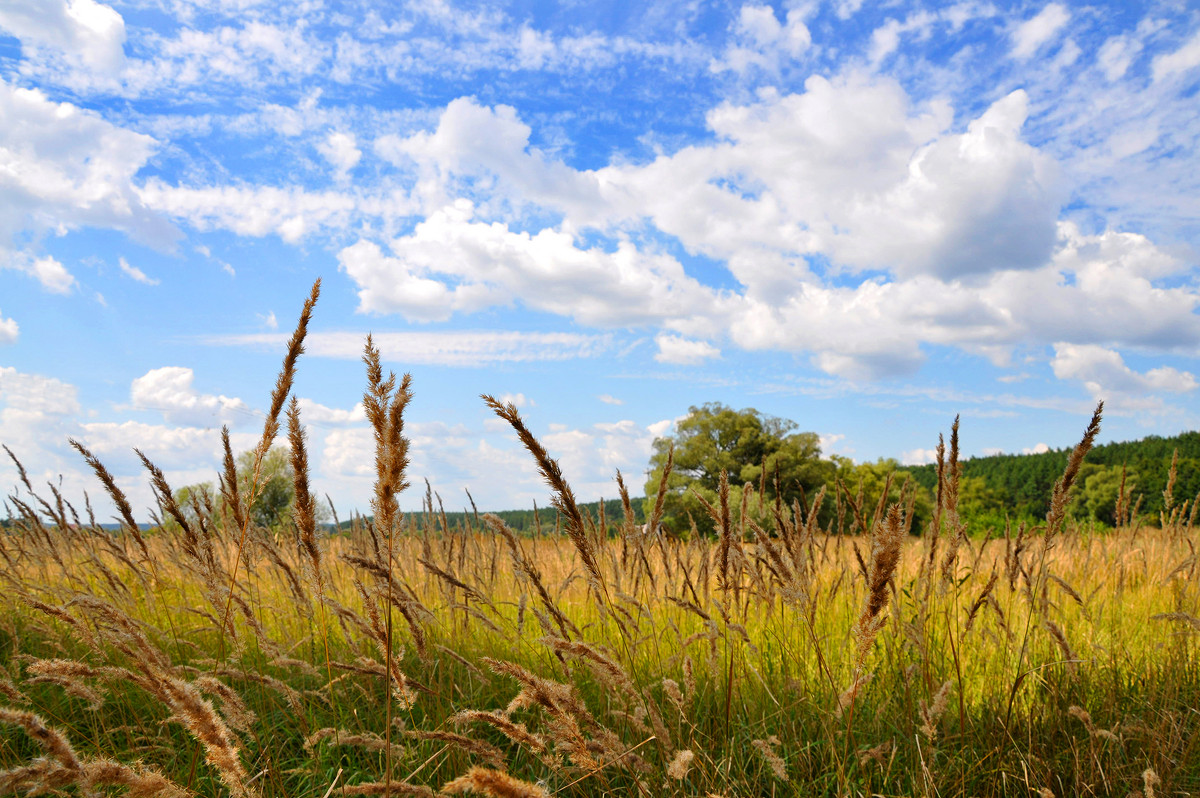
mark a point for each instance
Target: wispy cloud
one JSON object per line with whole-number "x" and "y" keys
{"x": 451, "y": 348}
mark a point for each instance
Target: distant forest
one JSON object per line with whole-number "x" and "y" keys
{"x": 1021, "y": 484}
{"x": 1016, "y": 486}
{"x": 531, "y": 521}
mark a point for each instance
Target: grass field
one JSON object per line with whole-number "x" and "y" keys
{"x": 409, "y": 658}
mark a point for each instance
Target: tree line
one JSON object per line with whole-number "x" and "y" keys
{"x": 768, "y": 464}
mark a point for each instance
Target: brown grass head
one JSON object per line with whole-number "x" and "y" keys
{"x": 564, "y": 498}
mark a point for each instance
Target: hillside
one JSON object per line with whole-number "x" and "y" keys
{"x": 1024, "y": 482}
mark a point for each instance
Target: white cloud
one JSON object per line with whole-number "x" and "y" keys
{"x": 8, "y": 331}
{"x": 1185, "y": 58}
{"x": 963, "y": 223}
{"x": 515, "y": 399}
{"x": 1116, "y": 55}
{"x": 175, "y": 448}
{"x": 918, "y": 457}
{"x": 62, "y": 167}
{"x": 169, "y": 390}
{"x": 137, "y": 274}
{"x": 590, "y": 457}
{"x": 312, "y": 412}
{"x": 610, "y": 400}
{"x": 268, "y": 320}
{"x": 1039, "y": 448}
{"x": 1031, "y": 35}
{"x": 289, "y": 212}
{"x": 82, "y": 31}
{"x": 342, "y": 152}
{"x": 254, "y": 53}
{"x": 47, "y": 270}
{"x": 34, "y": 393}
{"x": 829, "y": 440}
{"x": 684, "y": 351}
{"x": 759, "y": 40}
{"x": 451, "y": 348}
{"x": 1104, "y": 373}
{"x": 452, "y": 263}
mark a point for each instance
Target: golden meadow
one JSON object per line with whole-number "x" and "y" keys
{"x": 408, "y": 657}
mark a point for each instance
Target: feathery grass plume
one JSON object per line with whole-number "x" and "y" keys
{"x": 1181, "y": 617}
{"x": 982, "y": 599}
{"x": 11, "y": 692}
{"x": 877, "y": 754}
{"x": 517, "y": 732}
{"x": 24, "y": 477}
{"x": 114, "y": 492}
{"x": 526, "y": 569}
{"x": 678, "y": 769}
{"x": 886, "y": 539}
{"x": 454, "y": 581}
{"x": 564, "y": 498}
{"x": 486, "y": 751}
{"x": 1060, "y": 639}
{"x": 49, "y": 739}
{"x": 494, "y": 783}
{"x": 626, "y": 505}
{"x": 955, "y": 527}
{"x": 1084, "y": 717}
{"x": 198, "y": 716}
{"x": 387, "y": 788}
{"x": 932, "y": 713}
{"x": 1062, "y": 488}
{"x": 569, "y": 717}
{"x": 233, "y": 707}
{"x": 366, "y": 740}
{"x": 774, "y": 761}
{"x": 283, "y": 383}
{"x": 229, "y": 482}
{"x": 283, "y": 386}
{"x": 65, "y": 768}
{"x": 305, "y": 504}
{"x": 1150, "y": 780}
{"x": 935, "y": 524}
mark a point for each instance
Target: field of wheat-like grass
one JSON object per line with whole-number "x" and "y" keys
{"x": 404, "y": 656}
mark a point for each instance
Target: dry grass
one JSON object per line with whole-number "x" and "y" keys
{"x": 404, "y": 657}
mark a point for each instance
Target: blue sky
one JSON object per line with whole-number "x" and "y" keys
{"x": 863, "y": 217}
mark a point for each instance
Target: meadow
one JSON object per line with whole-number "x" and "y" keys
{"x": 408, "y": 656}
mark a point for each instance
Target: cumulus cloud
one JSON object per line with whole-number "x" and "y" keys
{"x": 918, "y": 457}
{"x": 64, "y": 167}
{"x": 453, "y": 263}
{"x": 760, "y": 40}
{"x": 683, "y": 351}
{"x": 1031, "y": 35}
{"x": 342, "y": 152}
{"x": 169, "y": 390}
{"x": 1104, "y": 373}
{"x": 312, "y": 412}
{"x": 47, "y": 270}
{"x": 134, "y": 272}
{"x": 34, "y": 393}
{"x": 964, "y": 225}
{"x": 516, "y": 399}
{"x": 89, "y": 33}
{"x": 8, "y": 331}
{"x": 610, "y": 400}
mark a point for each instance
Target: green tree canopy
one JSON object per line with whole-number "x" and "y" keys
{"x": 276, "y": 498}
{"x": 750, "y": 446}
